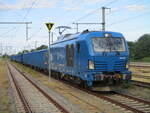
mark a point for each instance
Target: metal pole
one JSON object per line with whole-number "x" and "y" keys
{"x": 49, "y": 58}
{"x": 103, "y": 18}
{"x": 52, "y": 37}
{"x": 19, "y": 23}
{"x": 77, "y": 28}
{"x": 26, "y": 31}
{"x": 35, "y": 44}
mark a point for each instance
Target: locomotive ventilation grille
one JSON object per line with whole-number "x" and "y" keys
{"x": 120, "y": 65}
{"x": 106, "y": 66}
{"x": 100, "y": 66}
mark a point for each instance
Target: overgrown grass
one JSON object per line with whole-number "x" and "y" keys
{"x": 27, "y": 69}
{"x": 145, "y": 59}
{"x": 4, "y": 85}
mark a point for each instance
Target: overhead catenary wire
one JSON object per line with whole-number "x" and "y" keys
{"x": 90, "y": 13}
{"x": 93, "y": 11}
{"x": 6, "y": 6}
{"x": 130, "y": 18}
{"x": 14, "y": 28}
{"x": 109, "y": 3}
{"x": 35, "y": 33}
{"x": 124, "y": 7}
{"x": 28, "y": 11}
{"x": 8, "y": 31}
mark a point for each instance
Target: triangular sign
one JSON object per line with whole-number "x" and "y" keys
{"x": 49, "y": 25}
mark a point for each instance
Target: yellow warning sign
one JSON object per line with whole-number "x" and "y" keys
{"x": 49, "y": 25}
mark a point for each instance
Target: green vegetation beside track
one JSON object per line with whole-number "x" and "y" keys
{"x": 140, "y": 49}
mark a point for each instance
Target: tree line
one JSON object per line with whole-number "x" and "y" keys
{"x": 140, "y": 49}
{"x": 32, "y": 50}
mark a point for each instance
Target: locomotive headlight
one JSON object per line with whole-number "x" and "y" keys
{"x": 127, "y": 65}
{"x": 107, "y": 35}
{"x": 90, "y": 64}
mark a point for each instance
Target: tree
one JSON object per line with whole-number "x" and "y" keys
{"x": 39, "y": 48}
{"x": 42, "y": 47}
{"x": 24, "y": 51}
{"x": 5, "y": 55}
{"x": 131, "y": 49}
{"x": 142, "y": 47}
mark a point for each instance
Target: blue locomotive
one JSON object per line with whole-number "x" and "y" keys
{"x": 94, "y": 59}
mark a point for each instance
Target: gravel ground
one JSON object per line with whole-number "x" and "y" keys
{"x": 138, "y": 92}
{"x": 15, "y": 98}
{"x": 5, "y": 103}
{"x": 36, "y": 100}
{"x": 76, "y": 100}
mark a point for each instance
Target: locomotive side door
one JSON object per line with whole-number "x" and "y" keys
{"x": 70, "y": 55}
{"x": 78, "y": 57}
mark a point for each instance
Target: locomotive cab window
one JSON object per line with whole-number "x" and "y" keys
{"x": 108, "y": 44}
{"x": 70, "y": 55}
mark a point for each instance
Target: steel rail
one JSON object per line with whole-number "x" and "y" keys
{"x": 115, "y": 102}
{"x": 64, "y": 110}
{"x": 142, "y": 76}
{"x": 20, "y": 93}
{"x": 105, "y": 98}
{"x": 133, "y": 98}
{"x": 133, "y": 65}
{"x": 141, "y": 84}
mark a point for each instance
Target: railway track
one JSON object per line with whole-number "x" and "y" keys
{"x": 141, "y": 84}
{"x": 131, "y": 104}
{"x": 142, "y": 76}
{"x": 20, "y": 93}
{"x": 136, "y": 105}
{"x": 139, "y": 64}
{"x": 32, "y": 97}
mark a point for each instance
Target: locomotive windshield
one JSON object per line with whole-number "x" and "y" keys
{"x": 108, "y": 44}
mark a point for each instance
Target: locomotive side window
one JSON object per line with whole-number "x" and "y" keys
{"x": 78, "y": 47}
{"x": 46, "y": 54}
{"x": 70, "y": 55}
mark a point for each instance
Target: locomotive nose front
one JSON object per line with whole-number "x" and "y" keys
{"x": 110, "y": 59}
{"x": 110, "y": 63}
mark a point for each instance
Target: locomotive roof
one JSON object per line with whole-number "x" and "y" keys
{"x": 36, "y": 51}
{"x": 87, "y": 33}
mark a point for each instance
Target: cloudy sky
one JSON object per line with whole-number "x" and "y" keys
{"x": 130, "y": 17}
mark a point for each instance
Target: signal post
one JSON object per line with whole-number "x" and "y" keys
{"x": 49, "y": 26}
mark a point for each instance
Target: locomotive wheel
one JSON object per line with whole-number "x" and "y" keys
{"x": 83, "y": 84}
{"x": 57, "y": 76}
